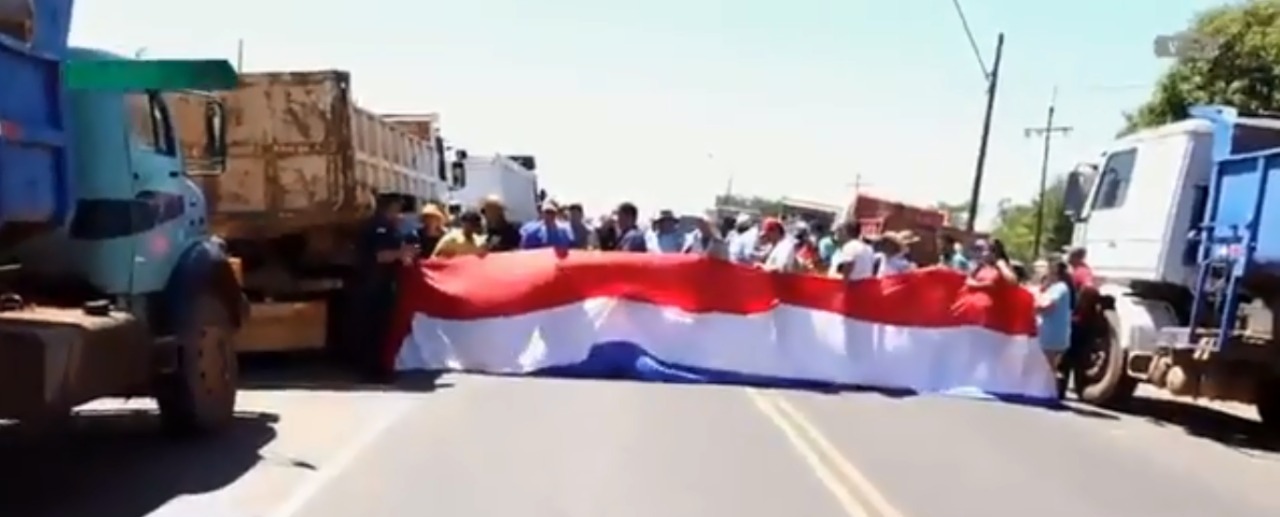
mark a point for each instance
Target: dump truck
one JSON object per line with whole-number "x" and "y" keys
{"x": 110, "y": 283}
{"x": 304, "y": 165}
{"x": 1180, "y": 229}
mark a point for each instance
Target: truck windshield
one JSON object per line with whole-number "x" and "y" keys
{"x": 1249, "y": 138}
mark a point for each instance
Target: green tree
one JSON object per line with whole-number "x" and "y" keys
{"x": 1244, "y": 72}
{"x": 1016, "y": 223}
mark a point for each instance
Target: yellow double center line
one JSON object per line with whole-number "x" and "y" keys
{"x": 855, "y": 493}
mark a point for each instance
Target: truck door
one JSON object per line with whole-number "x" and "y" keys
{"x": 155, "y": 177}
{"x": 1109, "y": 225}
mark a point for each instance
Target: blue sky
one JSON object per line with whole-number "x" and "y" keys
{"x": 660, "y": 101}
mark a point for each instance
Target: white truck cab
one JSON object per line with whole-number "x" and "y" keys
{"x": 1140, "y": 226}
{"x": 1148, "y": 197}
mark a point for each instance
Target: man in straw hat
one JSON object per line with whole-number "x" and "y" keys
{"x": 502, "y": 234}
{"x": 434, "y": 224}
{"x": 893, "y": 246}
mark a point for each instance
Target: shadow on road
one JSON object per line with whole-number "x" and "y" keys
{"x": 119, "y": 464}
{"x": 1205, "y": 422}
{"x": 316, "y": 372}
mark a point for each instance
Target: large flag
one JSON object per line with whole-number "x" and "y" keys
{"x": 682, "y": 318}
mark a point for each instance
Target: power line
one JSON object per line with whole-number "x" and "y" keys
{"x": 993, "y": 81}
{"x": 973, "y": 42}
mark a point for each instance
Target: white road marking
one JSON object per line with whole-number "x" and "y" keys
{"x": 340, "y": 461}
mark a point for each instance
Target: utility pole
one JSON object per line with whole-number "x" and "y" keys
{"x": 239, "y": 56}
{"x": 1047, "y": 132}
{"x": 993, "y": 82}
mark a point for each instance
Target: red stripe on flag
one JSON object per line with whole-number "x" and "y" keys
{"x": 509, "y": 284}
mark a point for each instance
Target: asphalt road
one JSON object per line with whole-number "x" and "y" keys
{"x": 489, "y": 446}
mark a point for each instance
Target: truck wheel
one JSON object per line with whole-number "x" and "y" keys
{"x": 1267, "y": 402}
{"x": 199, "y": 396}
{"x": 1102, "y": 380}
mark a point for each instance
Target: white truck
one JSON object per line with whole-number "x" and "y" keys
{"x": 513, "y": 178}
{"x": 1180, "y": 228}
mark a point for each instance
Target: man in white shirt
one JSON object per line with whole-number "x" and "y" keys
{"x": 743, "y": 240}
{"x": 782, "y": 253}
{"x": 856, "y": 259}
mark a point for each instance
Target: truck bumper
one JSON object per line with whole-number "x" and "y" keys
{"x": 53, "y": 359}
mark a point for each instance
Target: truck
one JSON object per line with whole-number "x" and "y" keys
{"x": 512, "y": 178}
{"x": 303, "y": 166}
{"x": 110, "y": 283}
{"x": 1182, "y": 230}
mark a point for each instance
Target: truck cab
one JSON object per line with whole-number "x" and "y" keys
{"x": 111, "y": 285}
{"x": 1146, "y": 227}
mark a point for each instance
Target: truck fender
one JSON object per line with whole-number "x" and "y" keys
{"x": 1138, "y": 319}
{"x": 205, "y": 268}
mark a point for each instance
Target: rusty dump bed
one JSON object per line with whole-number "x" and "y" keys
{"x": 302, "y": 155}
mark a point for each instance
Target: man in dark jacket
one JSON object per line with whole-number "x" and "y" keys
{"x": 380, "y": 252}
{"x": 502, "y": 235}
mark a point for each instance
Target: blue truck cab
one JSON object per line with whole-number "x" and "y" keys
{"x": 110, "y": 284}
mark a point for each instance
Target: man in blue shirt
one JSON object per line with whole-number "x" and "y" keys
{"x": 630, "y": 237}
{"x": 547, "y": 232}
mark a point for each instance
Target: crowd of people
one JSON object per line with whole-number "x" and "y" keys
{"x": 1062, "y": 286}
{"x": 769, "y": 243}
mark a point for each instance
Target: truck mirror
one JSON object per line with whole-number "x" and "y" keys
{"x": 458, "y": 176}
{"x": 215, "y": 135}
{"x": 1075, "y": 194}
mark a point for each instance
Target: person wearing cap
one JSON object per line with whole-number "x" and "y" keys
{"x": 779, "y": 250}
{"x": 380, "y": 252}
{"x": 547, "y": 231}
{"x": 466, "y": 239}
{"x": 665, "y": 237}
{"x": 855, "y": 260}
{"x": 630, "y": 237}
{"x": 434, "y": 221}
{"x": 502, "y": 234}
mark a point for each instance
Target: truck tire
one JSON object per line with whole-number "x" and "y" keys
{"x": 1102, "y": 379}
{"x": 199, "y": 395}
{"x": 1267, "y": 403}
